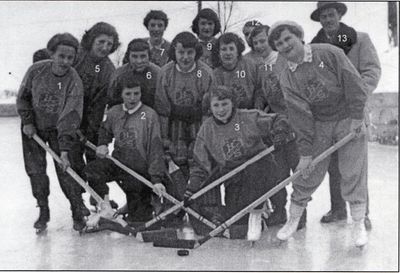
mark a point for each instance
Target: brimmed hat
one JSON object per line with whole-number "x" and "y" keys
{"x": 321, "y": 5}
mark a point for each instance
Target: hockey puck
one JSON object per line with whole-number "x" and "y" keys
{"x": 183, "y": 252}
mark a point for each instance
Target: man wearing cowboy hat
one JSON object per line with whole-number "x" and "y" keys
{"x": 362, "y": 54}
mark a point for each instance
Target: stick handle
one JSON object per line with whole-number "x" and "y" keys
{"x": 69, "y": 170}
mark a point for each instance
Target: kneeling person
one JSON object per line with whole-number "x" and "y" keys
{"x": 138, "y": 145}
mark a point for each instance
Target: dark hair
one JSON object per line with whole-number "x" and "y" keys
{"x": 276, "y": 33}
{"x": 136, "y": 45}
{"x": 40, "y": 55}
{"x": 208, "y": 14}
{"x": 257, "y": 30}
{"x": 252, "y": 23}
{"x": 126, "y": 81}
{"x": 66, "y": 39}
{"x": 97, "y": 30}
{"x": 188, "y": 40}
{"x": 155, "y": 14}
{"x": 226, "y": 38}
{"x": 222, "y": 92}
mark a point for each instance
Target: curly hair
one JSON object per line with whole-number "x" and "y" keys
{"x": 208, "y": 14}
{"x": 66, "y": 39}
{"x": 257, "y": 30}
{"x": 188, "y": 40}
{"x": 135, "y": 45}
{"x": 226, "y": 38}
{"x": 97, "y": 30}
{"x": 275, "y": 33}
{"x": 155, "y": 14}
{"x": 222, "y": 92}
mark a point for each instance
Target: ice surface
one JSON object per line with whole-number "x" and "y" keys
{"x": 318, "y": 247}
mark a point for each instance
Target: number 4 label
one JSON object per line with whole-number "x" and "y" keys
{"x": 321, "y": 65}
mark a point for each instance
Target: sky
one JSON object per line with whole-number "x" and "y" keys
{"x": 28, "y": 25}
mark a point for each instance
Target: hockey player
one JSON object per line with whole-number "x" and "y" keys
{"x": 138, "y": 66}
{"x": 136, "y": 130}
{"x": 326, "y": 98}
{"x": 227, "y": 139}
{"x": 156, "y": 22}
{"x": 232, "y": 70}
{"x": 180, "y": 90}
{"x": 206, "y": 25}
{"x": 248, "y": 27}
{"x": 50, "y": 103}
{"x": 362, "y": 54}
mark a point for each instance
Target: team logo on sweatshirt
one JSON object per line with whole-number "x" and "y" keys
{"x": 184, "y": 97}
{"x": 239, "y": 92}
{"x": 127, "y": 138}
{"x": 49, "y": 102}
{"x": 316, "y": 90}
{"x": 233, "y": 148}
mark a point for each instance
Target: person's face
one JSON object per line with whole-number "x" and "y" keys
{"x": 260, "y": 43}
{"x": 221, "y": 109}
{"x": 102, "y": 46}
{"x": 185, "y": 57}
{"x": 228, "y": 54}
{"x": 330, "y": 19}
{"x": 206, "y": 28}
{"x": 156, "y": 28}
{"x": 290, "y": 46}
{"x": 247, "y": 32}
{"x": 131, "y": 96}
{"x": 139, "y": 60}
{"x": 63, "y": 58}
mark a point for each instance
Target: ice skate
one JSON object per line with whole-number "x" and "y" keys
{"x": 291, "y": 225}
{"x": 254, "y": 226}
{"x": 41, "y": 223}
{"x": 79, "y": 222}
{"x": 360, "y": 235}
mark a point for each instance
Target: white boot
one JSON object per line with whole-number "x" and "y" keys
{"x": 360, "y": 235}
{"x": 254, "y": 225}
{"x": 290, "y": 226}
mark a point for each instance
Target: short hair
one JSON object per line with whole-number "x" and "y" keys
{"x": 188, "y": 40}
{"x": 98, "y": 29}
{"x": 222, "y": 92}
{"x": 155, "y": 14}
{"x": 276, "y": 33}
{"x": 126, "y": 81}
{"x": 40, "y": 55}
{"x": 226, "y": 38}
{"x": 136, "y": 45}
{"x": 66, "y": 39}
{"x": 257, "y": 30}
{"x": 208, "y": 14}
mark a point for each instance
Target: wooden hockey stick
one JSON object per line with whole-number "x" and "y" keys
{"x": 192, "y": 244}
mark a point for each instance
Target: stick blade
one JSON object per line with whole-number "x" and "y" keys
{"x": 175, "y": 243}
{"x": 155, "y": 235}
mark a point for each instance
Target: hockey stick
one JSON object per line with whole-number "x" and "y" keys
{"x": 192, "y": 244}
{"x": 82, "y": 183}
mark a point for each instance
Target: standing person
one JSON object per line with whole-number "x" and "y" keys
{"x": 156, "y": 22}
{"x": 136, "y": 130}
{"x": 234, "y": 71}
{"x": 206, "y": 25}
{"x": 138, "y": 66}
{"x": 50, "y": 102}
{"x": 248, "y": 27}
{"x": 326, "y": 97}
{"x": 362, "y": 54}
{"x": 227, "y": 139}
{"x": 182, "y": 84}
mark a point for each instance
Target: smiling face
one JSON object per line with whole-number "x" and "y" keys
{"x": 102, "y": 46}
{"x": 206, "y": 29}
{"x": 228, "y": 54}
{"x": 221, "y": 109}
{"x": 139, "y": 60}
{"x": 156, "y": 28}
{"x": 330, "y": 20}
{"x": 63, "y": 58}
{"x": 185, "y": 57}
{"x": 290, "y": 46}
{"x": 131, "y": 96}
{"x": 260, "y": 44}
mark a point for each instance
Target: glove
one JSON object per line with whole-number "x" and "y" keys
{"x": 186, "y": 197}
{"x": 29, "y": 130}
{"x": 65, "y": 161}
{"x": 82, "y": 137}
{"x": 305, "y": 166}
{"x": 102, "y": 151}
{"x": 358, "y": 126}
{"x": 159, "y": 189}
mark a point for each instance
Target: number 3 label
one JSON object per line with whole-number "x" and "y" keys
{"x": 237, "y": 126}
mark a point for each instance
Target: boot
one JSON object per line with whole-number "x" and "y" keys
{"x": 84, "y": 209}
{"x": 44, "y": 217}
{"x": 78, "y": 218}
{"x": 360, "y": 236}
{"x": 334, "y": 216}
{"x": 367, "y": 222}
{"x": 255, "y": 225}
{"x": 93, "y": 202}
{"x": 303, "y": 220}
{"x": 291, "y": 225}
{"x": 278, "y": 217}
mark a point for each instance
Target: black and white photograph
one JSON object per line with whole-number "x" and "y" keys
{"x": 199, "y": 136}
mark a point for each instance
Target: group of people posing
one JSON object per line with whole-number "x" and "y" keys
{"x": 198, "y": 102}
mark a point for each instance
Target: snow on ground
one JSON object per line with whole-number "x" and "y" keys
{"x": 318, "y": 247}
